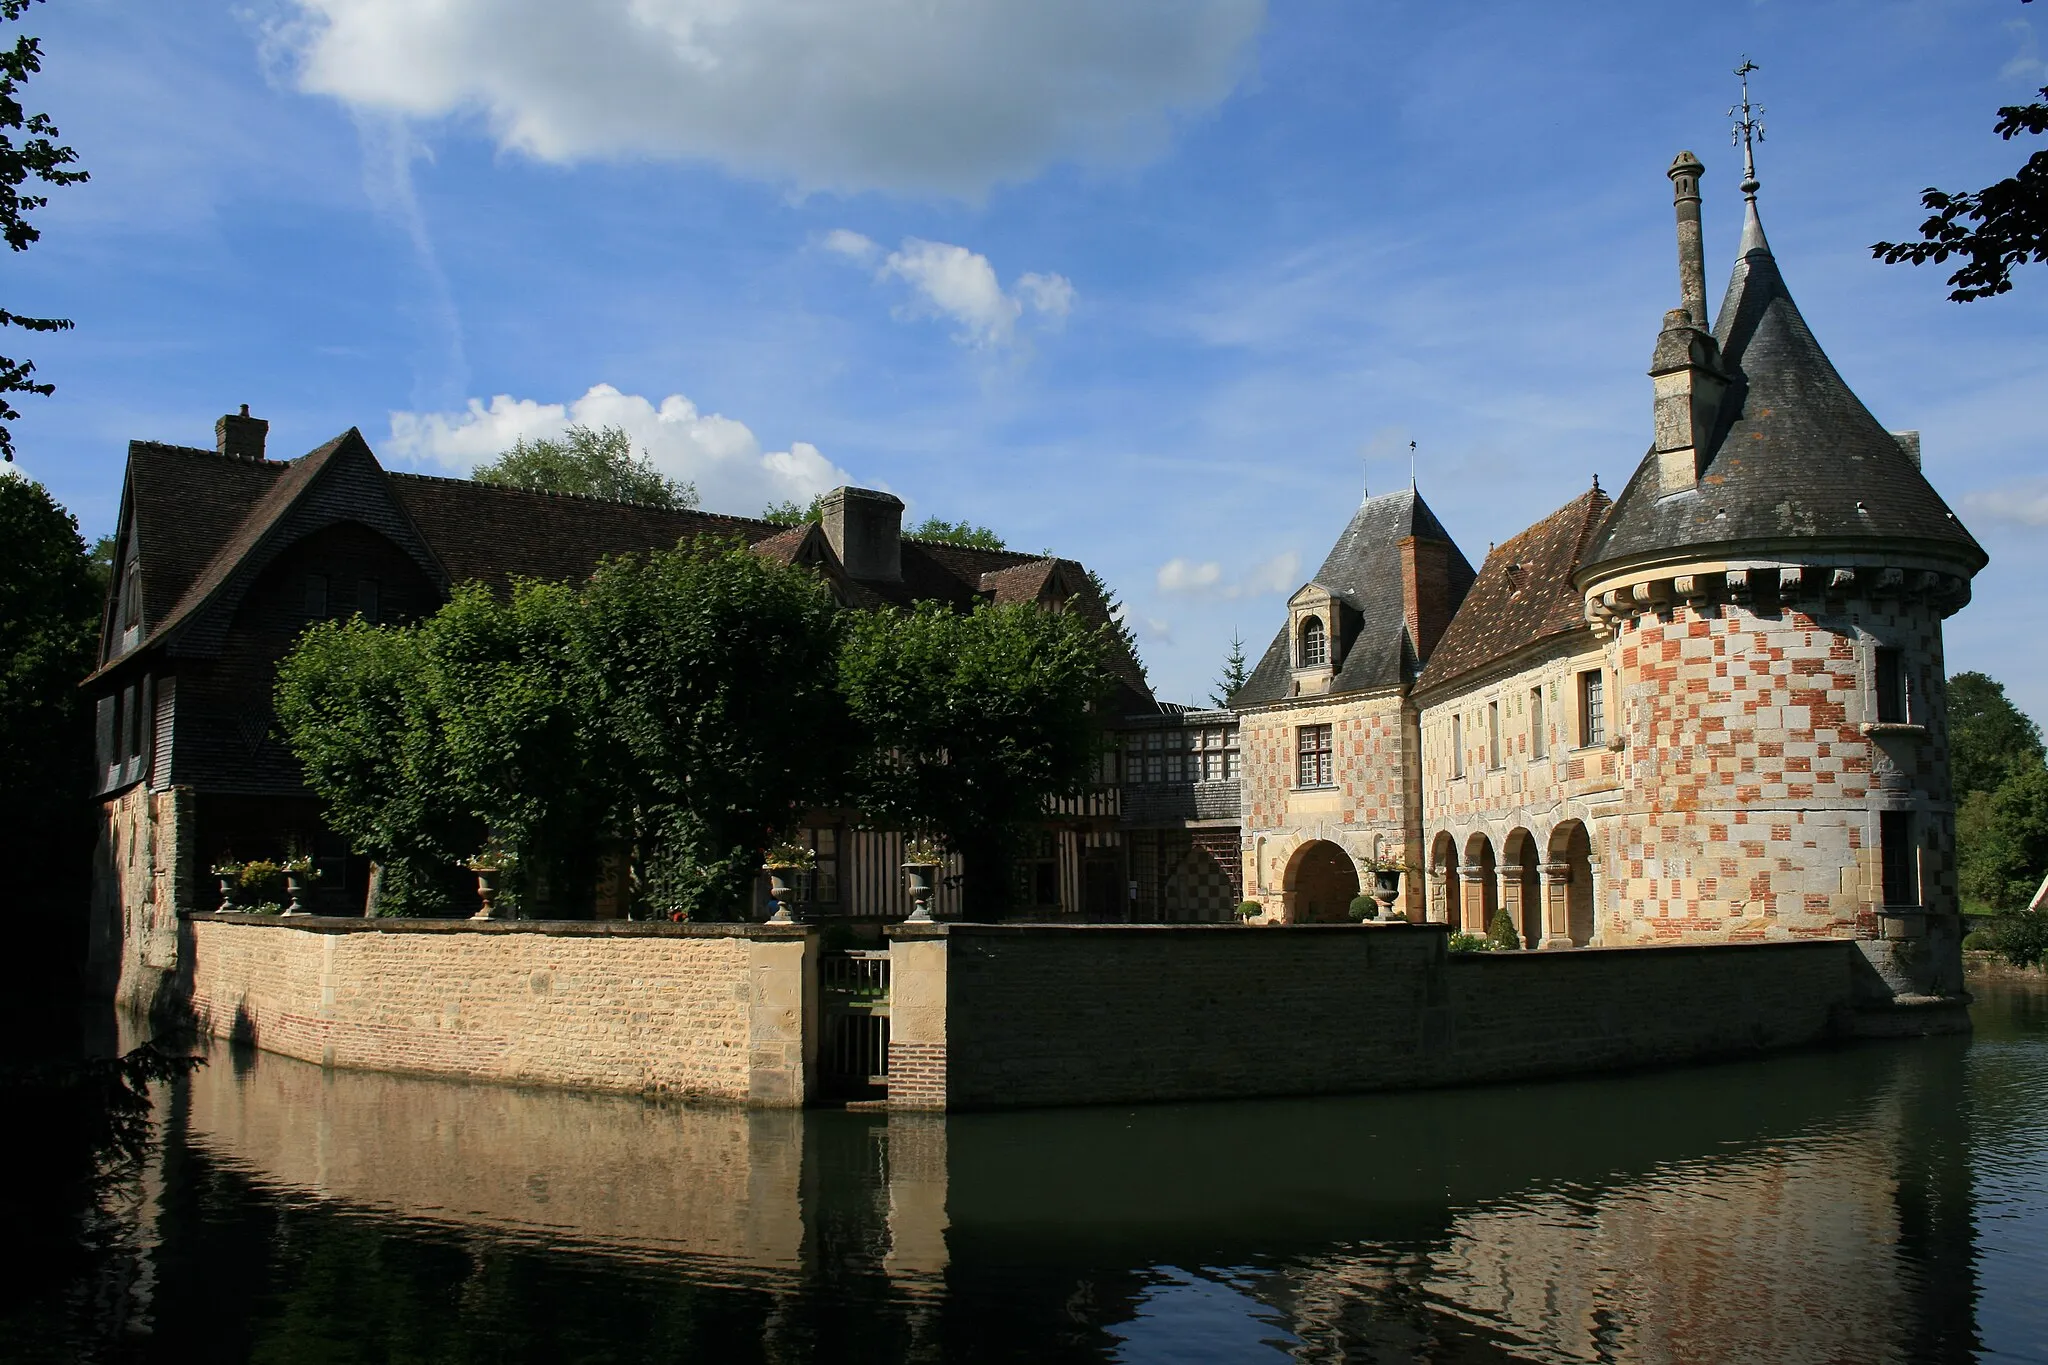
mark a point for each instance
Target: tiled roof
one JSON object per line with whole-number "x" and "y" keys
{"x": 200, "y": 514}
{"x": 1796, "y": 455}
{"x": 1523, "y": 593}
{"x": 1364, "y": 570}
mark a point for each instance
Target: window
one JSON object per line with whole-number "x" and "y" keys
{"x": 1230, "y": 765}
{"x": 1493, "y": 734}
{"x": 1592, "y": 707}
{"x": 1895, "y": 838}
{"x": 316, "y": 595}
{"x": 131, "y": 594}
{"x": 824, "y": 887}
{"x": 105, "y": 718}
{"x": 1315, "y": 643}
{"x": 369, "y": 599}
{"x": 1891, "y": 688}
{"x": 1539, "y": 741}
{"x": 1457, "y": 746}
{"x": 1036, "y": 873}
{"x": 1313, "y": 744}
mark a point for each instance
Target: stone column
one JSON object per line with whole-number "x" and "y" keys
{"x": 1439, "y": 911}
{"x": 1472, "y": 902}
{"x": 1510, "y": 875}
{"x": 1557, "y": 905}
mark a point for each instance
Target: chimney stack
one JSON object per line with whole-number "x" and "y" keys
{"x": 1685, "y": 371}
{"x": 240, "y": 436}
{"x": 1685, "y": 174}
{"x": 865, "y": 529}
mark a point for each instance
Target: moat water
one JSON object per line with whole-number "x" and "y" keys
{"x": 1884, "y": 1202}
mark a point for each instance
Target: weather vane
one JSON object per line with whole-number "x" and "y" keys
{"x": 1411, "y": 466}
{"x": 1749, "y": 130}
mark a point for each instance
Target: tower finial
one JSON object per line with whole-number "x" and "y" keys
{"x": 1749, "y": 130}
{"x": 1411, "y": 466}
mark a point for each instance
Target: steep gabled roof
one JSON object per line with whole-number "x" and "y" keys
{"x": 1795, "y": 455}
{"x": 1523, "y": 593}
{"x": 1363, "y": 570}
{"x": 184, "y": 504}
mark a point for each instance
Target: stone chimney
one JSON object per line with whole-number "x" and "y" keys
{"x": 1685, "y": 174}
{"x": 1426, "y": 591}
{"x": 240, "y": 436}
{"x": 1686, "y": 374}
{"x": 865, "y": 529}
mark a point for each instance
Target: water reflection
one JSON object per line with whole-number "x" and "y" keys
{"x": 1882, "y": 1203}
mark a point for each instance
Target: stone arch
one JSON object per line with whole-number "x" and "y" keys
{"x": 1321, "y": 882}
{"x": 1446, "y": 892}
{"x": 1521, "y": 884}
{"x": 1481, "y": 892}
{"x": 1571, "y": 861}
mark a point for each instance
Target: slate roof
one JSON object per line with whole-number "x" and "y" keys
{"x": 1795, "y": 454}
{"x": 1363, "y": 570}
{"x": 198, "y": 515}
{"x": 1523, "y": 593}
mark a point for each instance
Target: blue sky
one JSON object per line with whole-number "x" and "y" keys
{"x": 1153, "y": 284}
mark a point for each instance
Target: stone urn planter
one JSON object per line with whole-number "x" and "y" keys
{"x": 227, "y": 894}
{"x": 486, "y": 892}
{"x": 919, "y": 877}
{"x": 1386, "y": 889}
{"x": 780, "y": 894}
{"x": 295, "y": 884}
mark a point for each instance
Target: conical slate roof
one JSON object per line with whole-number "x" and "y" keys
{"x": 1795, "y": 455}
{"x": 1363, "y": 570}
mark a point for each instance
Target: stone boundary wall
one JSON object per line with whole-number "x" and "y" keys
{"x": 718, "y": 1011}
{"x": 1003, "y": 1016}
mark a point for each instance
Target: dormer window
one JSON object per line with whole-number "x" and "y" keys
{"x": 1315, "y": 643}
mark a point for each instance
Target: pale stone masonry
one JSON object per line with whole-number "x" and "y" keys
{"x": 1708, "y": 711}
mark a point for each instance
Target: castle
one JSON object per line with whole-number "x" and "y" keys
{"x": 1708, "y": 710}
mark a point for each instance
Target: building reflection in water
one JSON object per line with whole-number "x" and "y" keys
{"x": 1810, "y": 1207}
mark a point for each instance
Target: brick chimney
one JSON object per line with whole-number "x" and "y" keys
{"x": 1426, "y": 591}
{"x": 240, "y": 436}
{"x": 865, "y": 529}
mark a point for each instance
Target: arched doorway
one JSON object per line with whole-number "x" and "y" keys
{"x": 1482, "y": 888}
{"x": 1522, "y": 888}
{"x": 1571, "y": 847}
{"x": 1321, "y": 883}
{"x": 1445, "y": 892}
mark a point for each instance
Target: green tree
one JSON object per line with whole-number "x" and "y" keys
{"x": 1114, "y": 614}
{"x": 1988, "y": 737}
{"x": 37, "y": 157}
{"x": 1235, "y": 673}
{"x": 49, "y": 634}
{"x": 714, "y": 672}
{"x": 596, "y": 462}
{"x": 2002, "y": 839}
{"x": 356, "y": 705}
{"x": 1994, "y": 229}
{"x": 789, "y": 512}
{"x": 971, "y": 722}
{"x": 955, "y": 533}
{"x": 526, "y": 754}
{"x": 1502, "y": 932}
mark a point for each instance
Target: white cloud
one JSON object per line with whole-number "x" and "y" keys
{"x": 952, "y": 282}
{"x": 721, "y": 456}
{"x": 1184, "y": 577}
{"x": 900, "y": 95}
{"x": 2024, "y": 502}
{"x": 851, "y": 244}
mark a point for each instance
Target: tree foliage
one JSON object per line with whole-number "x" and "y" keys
{"x": 962, "y": 533}
{"x": 1235, "y": 673}
{"x": 715, "y": 675}
{"x": 39, "y": 157}
{"x": 1994, "y": 229}
{"x": 971, "y": 722}
{"x": 49, "y": 631}
{"x": 596, "y": 462}
{"x": 1119, "y": 627}
{"x": 2002, "y": 839}
{"x": 790, "y": 512}
{"x": 1988, "y": 737}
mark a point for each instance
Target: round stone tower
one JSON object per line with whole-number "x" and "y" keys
{"x": 1772, "y": 585}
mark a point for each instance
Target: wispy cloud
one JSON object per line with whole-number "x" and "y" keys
{"x": 2023, "y": 502}
{"x": 949, "y": 281}
{"x": 1204, "y": 579}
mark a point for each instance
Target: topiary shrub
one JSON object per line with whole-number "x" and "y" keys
{"x": 1503, "y": 932}
{"x": 1246, "y": 909}
{"x": 1461, "y": 942}
{"x": 1364, "y": 907}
